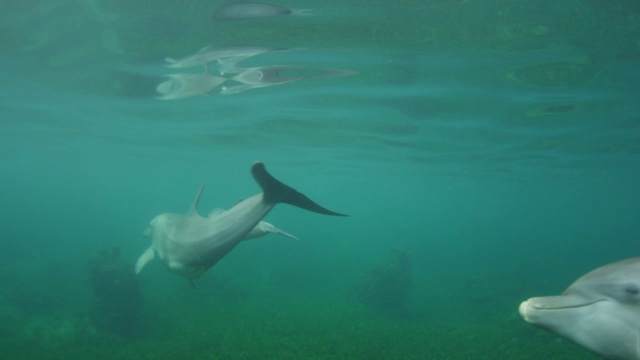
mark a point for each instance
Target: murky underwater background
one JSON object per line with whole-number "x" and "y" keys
{"x": 487, "y": 152}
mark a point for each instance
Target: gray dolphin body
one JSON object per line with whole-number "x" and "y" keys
{"x": 189, "y": 244}
{"x": 263, "y": 228}
{"x": 600, "y": 311}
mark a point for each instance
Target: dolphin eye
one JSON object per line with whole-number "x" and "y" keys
{"x": 631, "y": 290}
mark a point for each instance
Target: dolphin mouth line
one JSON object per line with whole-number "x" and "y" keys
{"x": 568, "y": 306}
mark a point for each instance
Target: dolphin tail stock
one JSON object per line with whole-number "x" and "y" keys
{"x": 277, "y": 192}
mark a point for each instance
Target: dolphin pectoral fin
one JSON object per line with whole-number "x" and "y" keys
{"x": 263, "y": 228}
{"x": 266, "y": 227}
{"x": 275, "y": 192}
{"x": 146, "y": 256}
{"x": 284, "y": 233}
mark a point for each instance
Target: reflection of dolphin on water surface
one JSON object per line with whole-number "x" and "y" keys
{"x": 600, "y": 311}
{"x": 225, "y": 56}
{"x": 235, "y": 78}
{"x": 189, "y": 244}
{"x": 178, "y": 86}
{"x": 263, "y": 76}
{"x": 252, "y": 10}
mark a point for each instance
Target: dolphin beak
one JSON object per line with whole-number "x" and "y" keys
{"x": 532, "y": 309}
{"x": 560, "y": 302}
{"x": 522, "y": 309}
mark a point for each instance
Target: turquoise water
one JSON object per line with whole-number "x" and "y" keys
{"x": 494, "y": 145}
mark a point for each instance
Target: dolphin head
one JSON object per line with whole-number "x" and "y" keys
{"x": 600, "y": 311}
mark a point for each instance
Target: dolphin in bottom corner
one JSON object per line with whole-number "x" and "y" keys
{"x": 600, "y": 311}
{"x": 189, "y": 245}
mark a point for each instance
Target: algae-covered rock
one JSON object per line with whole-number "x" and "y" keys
{"x": 387, "y": 287}
{"x": 117, "y": 289}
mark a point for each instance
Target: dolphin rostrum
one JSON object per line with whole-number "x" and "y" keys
{"x": 600, "y": 311}
{"x": 189, "y": 244}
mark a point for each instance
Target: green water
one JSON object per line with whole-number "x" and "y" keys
{"x": 494, "y": 143}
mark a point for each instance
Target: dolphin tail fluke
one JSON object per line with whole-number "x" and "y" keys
{"x": 277, "y": 192}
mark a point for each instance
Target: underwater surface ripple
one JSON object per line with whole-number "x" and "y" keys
{"x": 487, "y": 152}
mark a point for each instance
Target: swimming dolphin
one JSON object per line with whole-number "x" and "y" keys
{"x": 600, "y": 311}
{"x": 189, "y": 244}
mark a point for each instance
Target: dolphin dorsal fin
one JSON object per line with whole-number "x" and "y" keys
{"x": 194, "y": 207}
